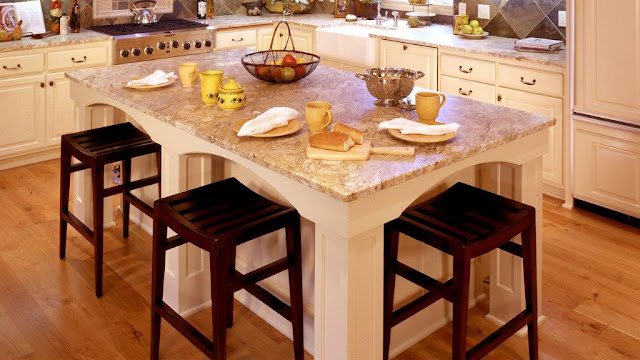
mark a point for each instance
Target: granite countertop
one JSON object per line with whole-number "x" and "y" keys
{"x": 483, "y": 126}
{"x": 436, "y": 35}
{"x": 26, "y": 43}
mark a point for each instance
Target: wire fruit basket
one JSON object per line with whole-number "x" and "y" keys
{"x": 280, "y": 66}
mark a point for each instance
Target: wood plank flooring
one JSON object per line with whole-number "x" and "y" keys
{"x": 591, "y": 290}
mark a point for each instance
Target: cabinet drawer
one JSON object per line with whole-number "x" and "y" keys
{"x": 21, "y": 65}
{"x": 239, "y": 38}
{"x": 77, "y": 58}
{"x": 528, "y": 80}
{"x": 607, "y": 166}
{"x": 469, "y": 89}
{"x": 468, "y": 69}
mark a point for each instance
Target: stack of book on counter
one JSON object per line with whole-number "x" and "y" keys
{"x": 538, "y": 45}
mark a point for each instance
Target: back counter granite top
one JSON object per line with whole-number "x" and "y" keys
{"x": 483, "y": 126}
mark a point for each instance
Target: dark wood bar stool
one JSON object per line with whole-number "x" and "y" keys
{"x": 464, "y": 222}
{"x": 94, "y": 149}
{"x": 217, "y": 218}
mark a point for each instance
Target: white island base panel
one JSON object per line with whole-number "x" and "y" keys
{"x": 343, "y": 282}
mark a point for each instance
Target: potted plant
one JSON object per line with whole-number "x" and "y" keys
{"x": 367, "y": 9}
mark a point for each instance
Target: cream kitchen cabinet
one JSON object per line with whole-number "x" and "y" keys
{"x": 607, "y": 165}
{"x": 607, "y": 67}
{"x": 303, "y": 38}
{"x": 23, "y": 111}
{"x": 236, "y": 38}
{"x": 548, "y": 106}
{"x": 34, "y": 97}
{"x": 414, "y": 57}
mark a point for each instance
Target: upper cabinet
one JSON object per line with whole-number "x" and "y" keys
{"x": 608, "y": 59}
{"x": 414, "y": 57}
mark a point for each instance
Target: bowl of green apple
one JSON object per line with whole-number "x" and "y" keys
{"x": 473, "y": 30}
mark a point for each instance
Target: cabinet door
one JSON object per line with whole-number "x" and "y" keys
{"x": 22, "y": 121}
{"x": 59, "y": 109}
{"x": 264, "y": 39}
{"x": 607, "y": 166}
{"x": 302, "y": 38}
{"x": 607, "y": 62}
{"x": 544, "y": 105}
{"x": 422, "y": 58}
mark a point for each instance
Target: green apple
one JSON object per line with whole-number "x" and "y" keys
{"x": 477, "y": 31}
{"x": 474, "y": 23}
{"x": 467, "y": 29}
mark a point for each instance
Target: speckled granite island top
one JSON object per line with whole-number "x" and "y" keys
{"x": 483, "y": 126}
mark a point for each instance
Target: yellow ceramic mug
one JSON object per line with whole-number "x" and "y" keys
{"x": 428, "y": 105}
{"x": 188, "y": 74}
{"x": 210, "y": 81}
{"x": 319, "y": 116}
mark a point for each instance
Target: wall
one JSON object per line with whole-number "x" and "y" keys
{"x": 519, "y": 18}
{"x": 181, "y": 9}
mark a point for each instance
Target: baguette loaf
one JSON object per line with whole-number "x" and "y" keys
{"x": 331, "y": 141}
{"x": 354, "y": 134}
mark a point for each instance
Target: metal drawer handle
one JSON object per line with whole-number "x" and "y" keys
{"x": 237, "y": 40}
{"x": 17, "y": 67}
{"x": 50, "y": 83}
{"x": 281, "y": 34}
{"x": 468, "y": 93}
{"x": 465, "y": 71}
{"x": 404, "y": 47}
{"x": 526, "y": 82}
{"x": 84, "y": 58}
{"x": 499, "y": 97}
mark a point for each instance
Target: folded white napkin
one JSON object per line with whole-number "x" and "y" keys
{"x": 158, "y": 77}
{"x": 273, "y": 118}
{"x": 412, "y": 127}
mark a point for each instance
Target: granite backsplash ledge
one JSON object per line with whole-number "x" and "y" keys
{"x": 519, "y": 18}
{"x": 182, "y": 9}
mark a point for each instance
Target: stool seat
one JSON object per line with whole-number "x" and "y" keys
{"x": 94, "y": 149}
{"x": 217, "y": 218}
{"x": 464, "y": 222}
{"x": 465, "y": 216}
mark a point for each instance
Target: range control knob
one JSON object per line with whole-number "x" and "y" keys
{"x": 148, "y": 50}
{"x": 186, "y": 46}
{"x": 124, "y": 53}
{"x": 135, "y": 52}
{"x": 208, "y": 43}
{"x": 175, "y": 44}
{"x": 198, "y": 44}
{"x": 162, "y": 45}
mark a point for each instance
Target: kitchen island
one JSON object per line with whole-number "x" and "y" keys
{"x": 344, "y": 204}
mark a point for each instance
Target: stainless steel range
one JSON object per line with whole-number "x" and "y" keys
{"x": 166, "y": 38}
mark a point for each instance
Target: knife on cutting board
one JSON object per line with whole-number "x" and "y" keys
{"x": 359, "y": 152}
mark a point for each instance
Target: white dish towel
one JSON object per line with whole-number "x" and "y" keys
{"x": 407, "y": 127}
{"x": 158, "y": 77}
{"x": 273, "y": 118}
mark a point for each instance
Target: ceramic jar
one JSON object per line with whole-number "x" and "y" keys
{"x": 231, "y": 95}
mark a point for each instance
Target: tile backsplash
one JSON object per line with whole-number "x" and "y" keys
{"x": 183, "y": 9}
{"x": 519, "y": 18}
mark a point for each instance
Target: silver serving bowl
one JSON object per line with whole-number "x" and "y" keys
{"x": 390, "y": 85}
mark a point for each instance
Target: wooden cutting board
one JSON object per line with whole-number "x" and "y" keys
{"x": 358, "y": 152}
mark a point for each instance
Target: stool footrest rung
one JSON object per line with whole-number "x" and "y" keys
{"x": 499, "y": 336}
{"x": 414, "y": 307}
{"x": 267, "y": 271}
{"x": 185, "y": 328}
{"x": 78, "y": 225}
{"x": 118, "y": 189}
{"x": 141, "y": 205}
{"x": 268, "y": 299}
{"x": 512, "y": 248}
{"x": 424, "y": 281}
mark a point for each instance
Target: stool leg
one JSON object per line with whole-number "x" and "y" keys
{"x": 98, "y": 224}
{"x": 159, "y": 169}
{"x": 391, "y": 240}
{"x": 126, "y": 206}
{"x": 461, "y": 278}
{"x": 531, "y": 286}
{"x": 232, "y": 272}
{"x": 219, "y": 265}
{"x": 294, "y": 255}
{"x": 157, "y": 282}
{"x": 65, "y": 183}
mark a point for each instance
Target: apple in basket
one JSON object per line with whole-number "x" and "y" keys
{"x": 263, "y": 72}
{"x": 289, "y": 60}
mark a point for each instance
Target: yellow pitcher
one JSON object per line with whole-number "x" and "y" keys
{"x": 210, "y": 81}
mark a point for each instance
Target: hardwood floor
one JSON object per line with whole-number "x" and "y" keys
{"x": 48, "y": 310}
